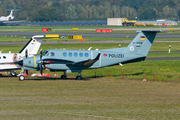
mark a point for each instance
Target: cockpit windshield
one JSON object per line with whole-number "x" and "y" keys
{"x": 52, "y": 54}
{"x": 44, "y": 53}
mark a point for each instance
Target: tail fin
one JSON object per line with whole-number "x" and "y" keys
{"x": 141, "y": 43}
{"x": 32, "y": 47}
{"x": 10, "y": 16}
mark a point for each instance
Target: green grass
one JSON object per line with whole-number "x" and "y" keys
{"x": 164, "y": 46}
{"x": 122, "y": 95}
{"x": 21, "y": 39}
{"x": 157, "y": 70}
{"x": 65, "y": 29}
{"x": 90, "y": 99}
{"x": 163, "y": 54}
{"x": 83, "y": 27}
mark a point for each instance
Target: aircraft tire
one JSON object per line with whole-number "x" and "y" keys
{"x": 78, "y": 78}
{"x": 21, "y": 78}
{"x": 63, "y": 76}
{"x": 13, "y": 74}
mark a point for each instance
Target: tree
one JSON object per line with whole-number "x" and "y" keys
{"x": 71, "y": 12}
{"x": 178, "y": 13}
{"x": 45, "y": 14}
{"x": 168, "y": 12}
{"x": 95, "y": 13}
{"x": 148, "y": 14}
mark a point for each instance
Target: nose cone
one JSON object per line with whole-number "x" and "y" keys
{"x": 20, "y": 62}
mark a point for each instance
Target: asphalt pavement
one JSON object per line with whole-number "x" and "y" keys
{"x": 113, "y": 35}
{"x": 109, "y": 35}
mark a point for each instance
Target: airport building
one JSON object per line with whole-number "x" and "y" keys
{"x": 126, "y": 22}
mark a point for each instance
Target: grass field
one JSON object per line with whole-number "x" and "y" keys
{"x": 162, "y": 46}
{"x": 89, "y": 29}
{"x": 89, "y": 99}
{"x": 82, "y": 27}
{"x": 121, "y": 96}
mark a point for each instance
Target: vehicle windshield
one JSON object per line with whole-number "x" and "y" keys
{"x": 44, "y": 53}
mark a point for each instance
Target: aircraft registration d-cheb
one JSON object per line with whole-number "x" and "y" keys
{"x": 77, "y": 60}
{"x": 9, "y": 61}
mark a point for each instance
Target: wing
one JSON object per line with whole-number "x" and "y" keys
{"x": 86, "y": 63}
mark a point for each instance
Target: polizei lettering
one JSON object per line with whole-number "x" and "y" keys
{"x": 116, "y": 55}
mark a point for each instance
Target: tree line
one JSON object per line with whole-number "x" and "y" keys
{"x": 78, "y": 10}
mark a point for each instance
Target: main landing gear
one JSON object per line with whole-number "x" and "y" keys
{"x": 64, "y": 76}
{"x": 13, "y": 74}
{"x": 79, "y": 77}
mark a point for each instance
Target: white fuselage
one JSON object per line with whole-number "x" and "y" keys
{"x": 8, "y": 61}
{"x": 7, "y": 18}
{"x": 4, "y": 19}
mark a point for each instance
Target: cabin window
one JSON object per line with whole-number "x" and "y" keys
{"x": 86, "y": 55}
{"x": 0, "y": 57}
{"x": 52, "y": 54}
{"x": 44, "y": 53}
{"x": 70, "y": 54}
{"x": 64, "y": 54}
{"x": 80, "y": 54}
{"x": 4, "y": 57}
{"x": 75, "y": 54}
{"x": 47, "y": 54}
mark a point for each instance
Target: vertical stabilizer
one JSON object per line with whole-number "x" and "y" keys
{"x": 32, "y": 47}
{"x": 141, "y": 43}
{"x": 10, "y": 16}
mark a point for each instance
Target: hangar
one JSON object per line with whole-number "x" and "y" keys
{"x": 158, "y": 22}
{"x": 126, "y": 22}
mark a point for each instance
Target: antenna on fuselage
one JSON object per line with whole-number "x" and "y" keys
{"x": 90, "y": 48}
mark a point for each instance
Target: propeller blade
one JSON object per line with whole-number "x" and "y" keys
{"x": 26, "y": 53}
{"x": 41, "y": 54}
{"x": 41, "y": 70}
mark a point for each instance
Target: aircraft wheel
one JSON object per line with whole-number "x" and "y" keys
{"x": 78, "y": 78}
{"x": 13, "y": 74}
{"x": 63, "y": 76}
{"x": 21, "y": 78}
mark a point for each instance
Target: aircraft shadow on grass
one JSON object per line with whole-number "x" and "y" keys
{"x": 135, "y": 74}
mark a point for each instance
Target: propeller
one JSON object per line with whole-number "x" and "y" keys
{"x": 41, "y": 69}
{"x": 26, "y": 55}
{"x": 42, "y": 63}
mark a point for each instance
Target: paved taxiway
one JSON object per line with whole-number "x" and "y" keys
{"x": 75, "y": 42}
{"x": 110, "y": 35}
{"x": 118, "y": 35}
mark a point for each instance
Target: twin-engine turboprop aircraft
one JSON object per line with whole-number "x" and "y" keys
{"x": 9, "y": 61}
{"x": 77, "y": 60}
